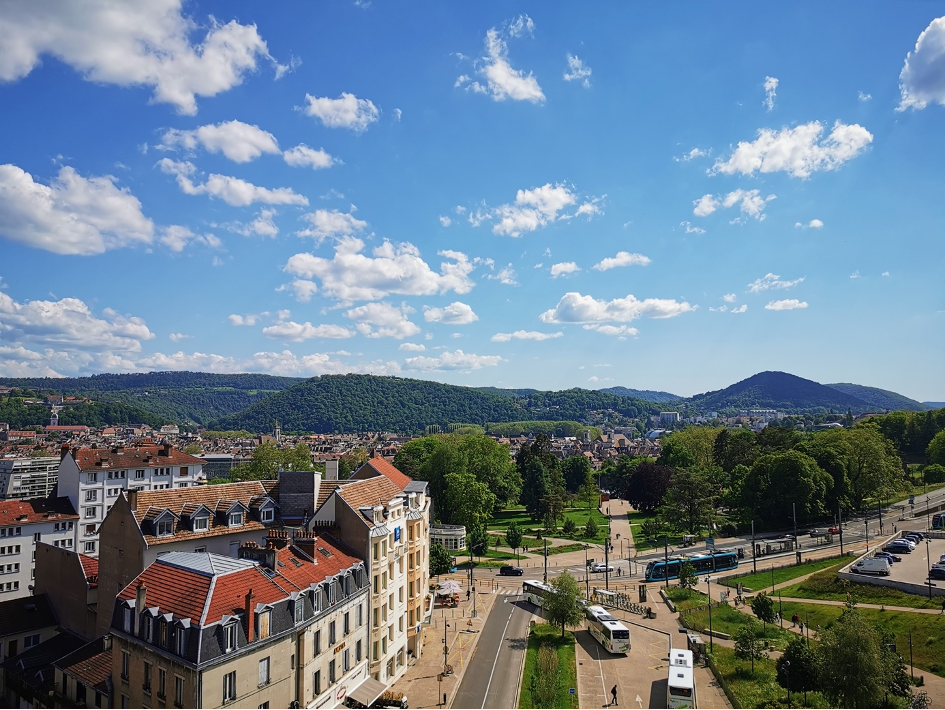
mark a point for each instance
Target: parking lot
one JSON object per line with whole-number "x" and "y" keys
{"x": 914, "y": 567}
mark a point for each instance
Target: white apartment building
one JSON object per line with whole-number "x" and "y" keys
{"x": 93, "y": 478}
{"x": 24, "y": 478}
{"x": 23, "y": 523}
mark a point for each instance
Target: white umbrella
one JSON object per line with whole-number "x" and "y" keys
{"x": 448, "y": 587}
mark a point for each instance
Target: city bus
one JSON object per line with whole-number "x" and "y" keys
{"x": 680, "y": 683}
{"x": 660, "y": 570}
{"x": 607, "y": 630}
{"x": 535, "y": 591}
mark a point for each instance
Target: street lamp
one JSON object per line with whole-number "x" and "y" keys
{"x": 708, "y": 581}
{"x": 928, "y": 563}
{"x": 587, "y": 581}
{"x": 787, "y": 673}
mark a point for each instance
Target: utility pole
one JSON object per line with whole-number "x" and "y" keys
{"x": 797, "y": 546}
{"x": 546, "y": 560}
{"x": 866, "y": 524}
{"x": 840, "y": 526}
{"x": 666, "y": 561}
{"x": 754, "y": 558}
{"x": 587, "y": 581}
{"x": 607, "y": 563}
{"x": 879, "y": 507}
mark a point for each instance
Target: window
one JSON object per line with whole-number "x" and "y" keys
{"x": 316, "y": 683}
{"x": 318, "y": 642}
{"x": 126, "y": 620}
{"x": 165, "y": 527}
{"x": 357, "y": 652}
{"x": 90, "y": 529}
{"x": 179, "y": 641}
{"x": 31, "y": 641}
{"x": 267, "y": 515}
{"x": 37, "y": 537}
{"x": 377, "y": 584}
{"x": 178, "y": 691}
{"x": 347, "y": 659}
{"x": 139, "y": 473}
{"x": 201, "y": 524}
{"x": 263, "y": 706}
{"x": 184, "y": 470}
{"x": 90, "y": 512}
{"x": 360, "y": 615}
{"x": 299, "y": 610}
{"x": 377, "y": 613}
{"x": 331, "y": 672}
{"x": 162, "y": 682}
{"x": 92, "y": 477}
{"x": 264, "y": 671}
{"x": 347, "y": 623}
{"x": 202, "y": 548}
{"x": 374, "y": 654}
{"x": 263, "y": 620}
{"x": 146, "y": 684}
{"x": 90, "y": 546}
{"x": 229, "y": 637}
{"x": 229, "y": 687}
{"x": 236, "y": 519}
{"x": 91, "y": 496}
{"x": 331, "y": 633}
{"x": 125, "y": 663}
{"x": 112, "y": 492}
{"x": 147, "y": 631}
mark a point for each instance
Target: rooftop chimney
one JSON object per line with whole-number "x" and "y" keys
{"x": 133, "y": 498}
{"x": 305, "y": 541}
{"x": 250, "y": 609}
{"x": 331, "y": 470}
{"x": 63, "y": 451}
{"x": 141, "y": 598}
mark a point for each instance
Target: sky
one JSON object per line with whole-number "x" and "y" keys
{"x": 518, "y": 194}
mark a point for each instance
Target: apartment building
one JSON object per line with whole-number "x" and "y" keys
{"x": 24, "y": 478}
{"x": 218, "y": 519}
{"x": 276, "y": 627}
{"x": 23, "y": 523}
{"x": 92, "y": 479}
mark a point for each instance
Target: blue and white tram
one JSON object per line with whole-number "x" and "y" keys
{"x": 709, "y": 563}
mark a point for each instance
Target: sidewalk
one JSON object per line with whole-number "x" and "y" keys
{"x": 420, "y": 681}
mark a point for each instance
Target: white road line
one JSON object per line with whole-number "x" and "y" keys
{"x": 497, "y": 653}
{"x": 603, "y": 685}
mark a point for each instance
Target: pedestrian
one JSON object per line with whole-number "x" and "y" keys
{"x": 801, "y": 626}
{"x": 467, "y": 595}
{"x": 613, "y": 692}
{"x": 943, "y": 605}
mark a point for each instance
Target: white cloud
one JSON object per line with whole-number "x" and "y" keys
{"x": 391, "y": 321}
{"x": 690, "y": 228}
{"x": 398, "y": 114}
{"x": 262, "y": 226}
{"x": 692, "y": 154}
{"x": 705, "y": 205}
{"x": 750, "y": 203}
{"x": 534, "y": 208}
{"x": 563, "y": 268}
{"x": 177, "y": 337}
{"x": 525, "y": 335}
{"x": 133, "y": 43}
{"x": 347, "y": 111}
{"x": 863, "y": 97}
{"x": 457, "y": 313}
{"x": 771, "y": 91}
{"x": 575, "y": 308}
{"x": 445, "y": 221}
{"x": 885, "y": 273}
{"x": 721, "y": 309}
{"x": 855, "y": 274}
{"x": 740, "y": 309}
{"x": 788, "y": 304}
{"x": 798, "y": 151}
{"x": 331, "y": 223}
{"x": 504, "y": 276}
{"x": 922, "y": 79}
{"x": 623, "y": 258}
{"x": 729, "y": 298}
{"x": 618, "y": 330}
{"x": 457, "y": 360}
{"x": 231, "y": 190}
{"x": 578, "y": 71}
{"x": 301, "y": 156}
{"x": 176, "y": 238}
{"x": 302, "y": 288}
{"x": 501, "y": 80}
{"x": 395, "y": 269}
{"x": 238, "y": 141}
{"x": 72, "y": 215}
{"x": 413, "y": 347}
{"x": 771, "y": 281}
{"x": 248, "y": 319}
{"x": 813, "y": 224}
{"x": 290, "y": 331}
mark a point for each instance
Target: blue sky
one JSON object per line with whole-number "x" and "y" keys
{"x": 511, "y": 194}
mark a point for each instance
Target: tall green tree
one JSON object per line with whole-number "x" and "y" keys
{"x": 647, "y": 486}
{"x": 871, "y": 464}
{"x": 749, "y": 642}
{"x": 935, "y": 451}
{"x": 561, "y": 607}
{"x": 577, "y": 473}
{"x": 763, "y": 607}
{"x": 491, "y": 463}
{"x": 467, "y": 501}
{"x": 440, "y": 560}
{"x": 802, "y": 673}
{"x": 676, "y": 454}
{"x": 514, "y": 537}
{"x": 779, "y": 483}
{"x": 536, "y": 484}
{"x": 699, "y": 441}
{"x": 688, "y": 500}
{"x": 734, "y": 447}
{"x": 851, "y": 669}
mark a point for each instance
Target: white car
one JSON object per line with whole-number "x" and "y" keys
{"x": 601, "y": 567}
{"x": 905, "y": 541}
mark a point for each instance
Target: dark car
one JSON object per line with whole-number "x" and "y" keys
{"x": 509, "y": 571}
{"x": 897, "y": 548}
{"x": 937, "y": 573}
{"x": 892, "y": 558}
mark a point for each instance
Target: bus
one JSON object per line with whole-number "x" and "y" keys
{"x": 938, "y": 521}
{"x": 680, "y": 684}
{"x": 535, "y": 591}
{"x": 607, "y": 630}
{"x": 660, "y": 570}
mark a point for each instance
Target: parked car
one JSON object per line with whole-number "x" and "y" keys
{"x": 509, "y": 571}
{"x": 871, "y": 565}
{"x": 834, "y": 530}
{"x": 915, "y": 537}
{"x": 897, "y": 548}
{"x": 888, "y": 556}
{"x": 601, "y": 567}
{"x": 937, "y": 573}
{"x": 905, "y": 541}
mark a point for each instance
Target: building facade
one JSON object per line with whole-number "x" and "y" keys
{"x": 23, "y": 523}
{"x": 24, "y": 478}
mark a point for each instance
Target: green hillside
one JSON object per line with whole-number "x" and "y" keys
{"x": 781, "y": 391}
{"x": 648, "y": 395}
{"x": 882, "y": 400}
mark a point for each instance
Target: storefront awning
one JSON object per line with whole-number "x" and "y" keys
{"x": 368, "y": 691}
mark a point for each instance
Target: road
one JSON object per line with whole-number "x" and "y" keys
{"x": 493, "y": 676}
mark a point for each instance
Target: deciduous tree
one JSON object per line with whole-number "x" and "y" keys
{"x": 561, "y": 607}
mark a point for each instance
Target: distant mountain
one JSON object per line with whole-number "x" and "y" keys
{"x": 779, "y": 390}
{"x": 648, "y": 395}
{"x": 880, "y": 399}
{"x": 934, "y": 405}
{"x": 500, "y": 392}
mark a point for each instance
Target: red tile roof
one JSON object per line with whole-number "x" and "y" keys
{"x": 90, "y": 568}
{"x": 173, "y": 590}
{"x": 383, "y": 467}
{"x": 35, "y": 510}
{"x": 132, "y": 457}
{"x": 369, "y": 492}
{"x": 91, "y": 664}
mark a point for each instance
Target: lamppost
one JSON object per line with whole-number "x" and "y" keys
{"x": 587, "y": 581}
{"x": 708, "y": 581}
{"x": 787, "y": 673}
{"x": 928, "y": 563}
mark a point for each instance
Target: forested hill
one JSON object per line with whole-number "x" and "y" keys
{"x": 351, "y": 403}
{"x": 151, "y": 380}
{"x": 880, "y": 399}
{"x": 648, "y": 395}
{"x": 781, "y": 391}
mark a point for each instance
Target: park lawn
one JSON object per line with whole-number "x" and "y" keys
{"x": 826, "y": 585}
{"x": 567, "y": 667}
{"x": 762, "y": 580}
{"x": 759, "y": 689}
{"x": 728, "y": 620}
{"x": 557, "y": 550}
{"x": 928, "y": 630}
{"x": 686, "y": 599}
{"x": 500, "y": 521}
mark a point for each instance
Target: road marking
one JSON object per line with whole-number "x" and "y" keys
{"x": 639, "y": 701}
{"x": 498, "y": 651}
{"x": 600, "y": 665}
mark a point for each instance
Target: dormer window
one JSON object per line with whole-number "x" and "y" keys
{"x": 235, "y": 519}
{"x": 229, "y": 636}
{"x": 201, "y": 524}
{"x": 165, "y": 527}
{"x": 299, "y": 610}
{"x": 267, "y": 515}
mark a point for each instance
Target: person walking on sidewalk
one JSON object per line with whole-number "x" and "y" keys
{"x": 613, "y": 692}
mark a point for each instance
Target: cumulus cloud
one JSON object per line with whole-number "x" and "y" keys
{"x": 798, "y": 151}
{"x": 248, "y": 319}
{"x": 445, "y": 221}
{"x": 262, "y": 226}
{"x": 534, "y": 208}
{"x": 394, "y": 269}
{"x": 413, "y": 347}
{"x": 690, "y": 228}
{"x": 504, "y": 276}
{"x": 575, "y": 308}
{"x": 456, "y": 313}
{"x": 290, "y": 331}
{"x": 863, "y": 97}
{"x": 563, "y": 269}
{"x": 382, "y": 320}
{"x": 788, "y": 304}
{"x": 705, "y": 205}
{"x": 134, "y": 43}
{"x": 771, "y": 91}
{"x": 331, "y": 223}
{"x": 457, "y": 360}
{"x": 347, "y": 111}
{"x": 772, "y": 281}
{"x": 238, "y": 141}
{"x": 922, "y": 79}
{"x": 177, "y": 337}
{"x": 72, "y": 215}
{"x": 623, "y": 258}
{"x": 301, "y": 156}
{"x": 750, "y": 203}
{"x": 498, "y": 79}
{"x": 855, "y": 274}
{"x": 578, "y": 71}
{"x": 525, "y": 335}
{"x": 692, "y": 154}
{"x": 621, "y": 331}
{"x": 885, "y": 273}
{"x": 302, "y": 288}
{"x": 231, "y": 190}
{"x": 740, "y": 309}
{"x": 176, "y": 238}
{"x": 729, "y": 298}
{"x": 813, "y": 224}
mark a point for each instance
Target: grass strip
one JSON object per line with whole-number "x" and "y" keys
{"x": 560, "y": 681}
